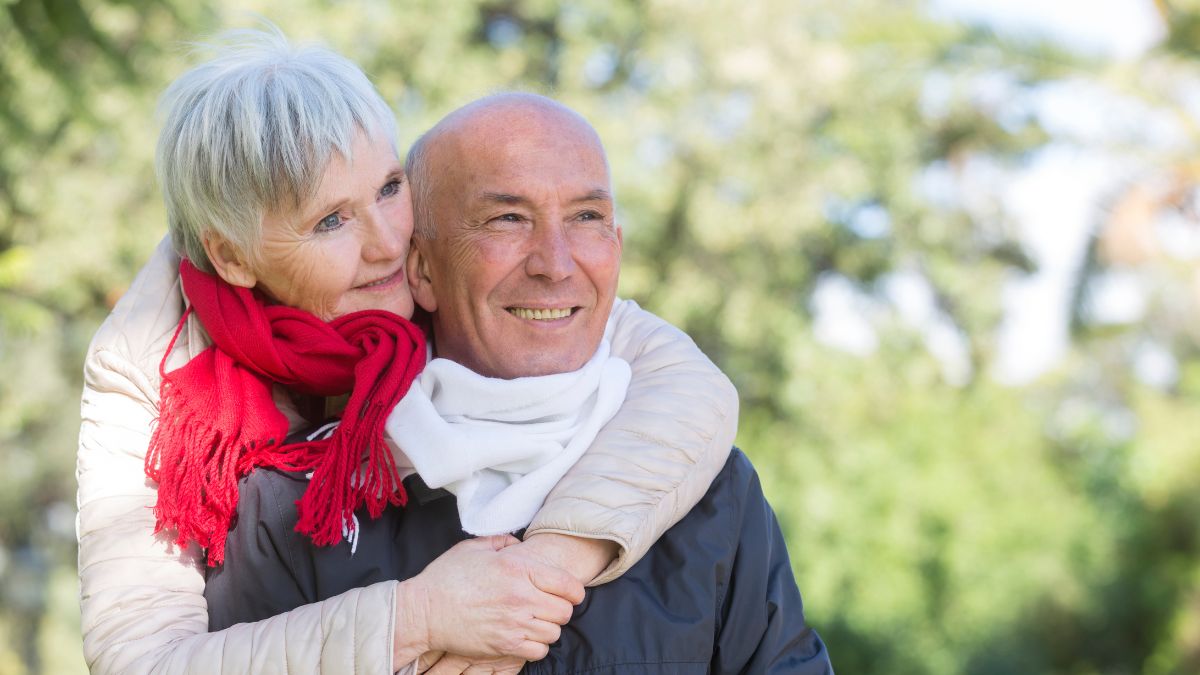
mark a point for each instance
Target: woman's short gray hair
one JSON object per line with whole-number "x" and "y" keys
{"x": 252, "y": 130}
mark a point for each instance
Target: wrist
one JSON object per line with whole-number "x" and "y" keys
{"x": 411, "y": 635}
{"x": 581, "y": 557}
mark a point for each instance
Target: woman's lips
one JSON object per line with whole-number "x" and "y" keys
{"x": 381, "y": 282}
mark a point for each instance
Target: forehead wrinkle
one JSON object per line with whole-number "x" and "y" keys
{"x": 457, "y": 147}
{"x": 504, "y": 198}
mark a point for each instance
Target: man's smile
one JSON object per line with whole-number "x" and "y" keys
{"x": 542, "y": 313}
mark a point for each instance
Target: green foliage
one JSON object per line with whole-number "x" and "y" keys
{"x": 936, "y": 524}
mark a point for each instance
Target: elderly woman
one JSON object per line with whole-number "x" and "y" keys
{"x": 289, "y": 206}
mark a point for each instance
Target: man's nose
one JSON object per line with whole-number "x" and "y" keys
{"x": 383, "y": 239}
{"x": 550, "y": 255}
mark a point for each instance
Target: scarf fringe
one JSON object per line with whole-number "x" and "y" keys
{"x": 197, "y": 469}
{"x": 218, "y": 420}
{"x": 339, "y": 488}
{"x": 346, "y": 480}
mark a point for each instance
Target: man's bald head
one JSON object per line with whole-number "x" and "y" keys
{"x": 477, "y": 125}
{"x": 517, "y": 249}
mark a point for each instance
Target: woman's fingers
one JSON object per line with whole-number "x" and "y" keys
{"x": 554, "y": 609}
{"x": 449, "y": 664}
{"x": 544, "y": 632}
{"x": 505, "y": 665}
{"x": 531, "y": 651}
{"x": 555, "y": 581}
{"x": 427, "y": 660}
{"x": 480, "y": 600}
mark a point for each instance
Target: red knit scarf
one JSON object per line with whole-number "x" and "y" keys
{"x": 217, "y": 419}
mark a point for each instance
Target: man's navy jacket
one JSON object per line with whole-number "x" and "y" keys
{"x": 714, "y": 595}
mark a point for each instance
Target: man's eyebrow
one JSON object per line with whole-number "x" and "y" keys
{"x": 597, "y": 195}
{"x": 504, "y": 198}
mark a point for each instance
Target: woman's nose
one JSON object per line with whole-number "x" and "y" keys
{"x": 384, "y": 239}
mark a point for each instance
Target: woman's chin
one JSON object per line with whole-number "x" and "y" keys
{"x": 396, "y": 301}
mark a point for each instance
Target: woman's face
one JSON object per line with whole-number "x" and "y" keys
{"x": 343, "y": 250}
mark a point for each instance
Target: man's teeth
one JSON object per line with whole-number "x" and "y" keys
{"x": 540, "y": 314}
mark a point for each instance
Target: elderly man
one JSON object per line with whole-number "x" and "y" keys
{"x": 516, "y": 256}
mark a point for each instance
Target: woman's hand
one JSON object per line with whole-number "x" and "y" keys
{"x": 475, "y": 602}
{"x": 452, "y": 664}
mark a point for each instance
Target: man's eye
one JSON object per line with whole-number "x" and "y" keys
{"x": 391, "y": 189}
{"x": 510, "y": 218}
{"x": 329, "y": 222}
{"x": 590, "y": 215}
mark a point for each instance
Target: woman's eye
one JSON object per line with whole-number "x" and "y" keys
{"x": 391, "y": 189}
{"x": 329, "y": 222}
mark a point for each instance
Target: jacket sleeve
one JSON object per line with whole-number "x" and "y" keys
{"x": 761, "y": 625}
{"x": 143, "y": 608}
{"x": 656, "y": 458}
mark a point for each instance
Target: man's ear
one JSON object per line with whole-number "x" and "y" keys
{"x": 228, "y": 260}
{"x": 419, "y": 280}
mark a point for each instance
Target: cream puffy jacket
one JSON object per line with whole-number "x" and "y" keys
{"x": 142, "y": 598}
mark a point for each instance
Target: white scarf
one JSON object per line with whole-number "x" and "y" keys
{"x": 501, "y": 445}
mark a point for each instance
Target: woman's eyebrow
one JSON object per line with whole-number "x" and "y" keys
{"x": 321, "y": 209}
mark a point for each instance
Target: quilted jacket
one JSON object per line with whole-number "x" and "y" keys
{"x": 142, "y": 598}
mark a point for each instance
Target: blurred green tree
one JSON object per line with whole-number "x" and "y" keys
{"x": 77, "y": 205}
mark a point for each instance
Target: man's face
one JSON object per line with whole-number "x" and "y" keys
{"x": 523, "y": 271}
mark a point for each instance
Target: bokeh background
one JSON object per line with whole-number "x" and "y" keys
{"x": 948, "y": 251}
